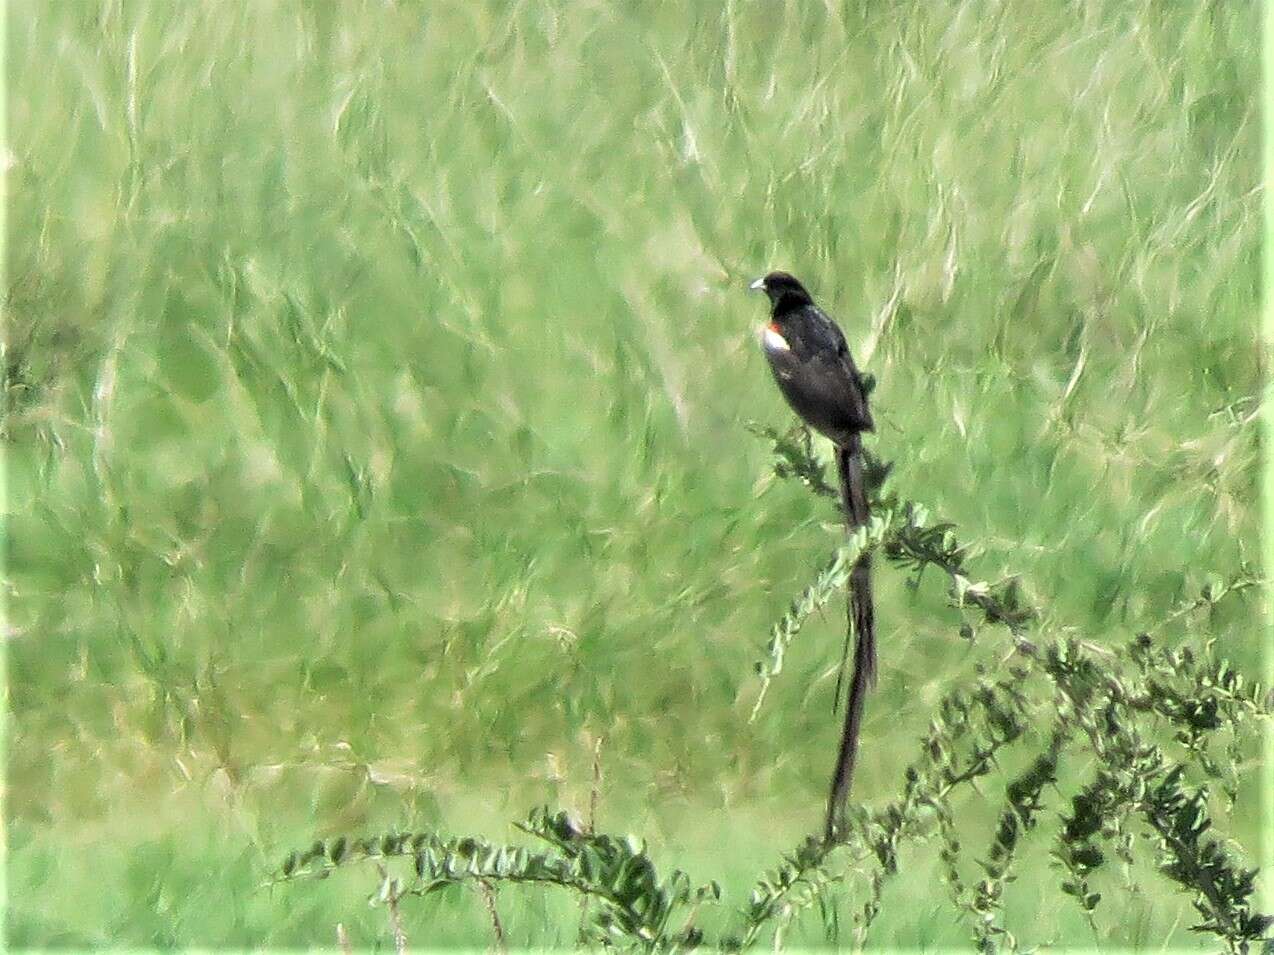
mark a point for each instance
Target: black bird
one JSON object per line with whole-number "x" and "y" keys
{"x": 814, "y": 370}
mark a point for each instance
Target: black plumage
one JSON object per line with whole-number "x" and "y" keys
{"x": 816, "y": 373}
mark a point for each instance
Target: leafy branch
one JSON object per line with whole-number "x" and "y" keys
{"x": 636, "y": 904}
{"x": 1135, "y": 776}
{"x": 827, "y": 584}
{"x": 943, "y": 766}
{"x": 1185, "y": 687}
{"x": 903, "y": 530}
{"x": 1145, "y": 716}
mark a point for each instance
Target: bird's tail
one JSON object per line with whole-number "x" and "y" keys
{"x": 862, "y": 617}
{"x": 847, "y": 757}
{"x": 849, "y": 464}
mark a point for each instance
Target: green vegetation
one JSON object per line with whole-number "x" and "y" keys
{"x": 1115, "y": 701}
{"x": 378, "y": 389}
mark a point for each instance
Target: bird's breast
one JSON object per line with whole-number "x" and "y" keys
{"x": 772, "y": 339}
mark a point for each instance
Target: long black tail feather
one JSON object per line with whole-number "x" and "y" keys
{"x": 849, "y": 465}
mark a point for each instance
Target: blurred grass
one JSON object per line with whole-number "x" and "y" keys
{"x": 376, "y": 381}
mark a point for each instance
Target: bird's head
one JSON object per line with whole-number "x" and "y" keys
{"x": 783, "y": 289}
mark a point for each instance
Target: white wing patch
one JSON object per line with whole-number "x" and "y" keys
{"x": 773, "y": 341}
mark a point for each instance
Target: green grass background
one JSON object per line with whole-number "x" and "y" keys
{"x": 376, "y": 386}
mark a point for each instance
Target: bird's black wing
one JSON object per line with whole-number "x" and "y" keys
{"x": 835, "y": 384}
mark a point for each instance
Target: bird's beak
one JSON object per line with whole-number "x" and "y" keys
{"x": 758, "y": 285}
